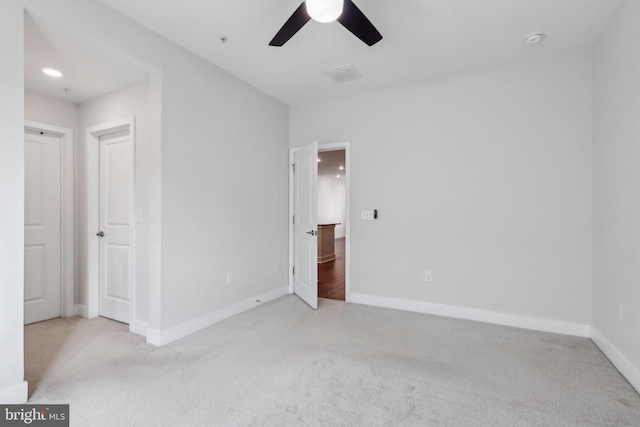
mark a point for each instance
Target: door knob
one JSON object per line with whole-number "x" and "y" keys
{"x": 100, "y": 234}
{"x": 312, "y": 232}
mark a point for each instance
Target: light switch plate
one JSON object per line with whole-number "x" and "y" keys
{"x": 366, "y": 215}
{"x": 138, "y": 215}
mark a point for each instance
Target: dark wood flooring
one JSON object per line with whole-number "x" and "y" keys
{"x": 331, "y": 275}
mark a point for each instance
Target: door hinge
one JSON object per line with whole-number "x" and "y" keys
{"x": 294, "y": 270}
{"x": 293, "y": 165}
{"x": 294, "y": 219}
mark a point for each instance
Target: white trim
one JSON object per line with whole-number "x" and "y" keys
{"x": 346, "y": 146}
{"x": 617, "y": 358}
{"x": 154, "y": 337}
{"x": 160, "y": 338}
{"x": 66, "y": 232}
{"x": 476, "y": 314}
{"x": 15, "y": 395}
{"x": 92, "y": 168}
{"x": 81, "y": 310}
{"x": 290, "y": 219}
{"x": 139, "y": 327}
{"x": 154, "y": 212}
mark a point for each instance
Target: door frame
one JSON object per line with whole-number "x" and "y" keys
{"x": 92, "y": 172}
{"x": 334, "y": 146}
{"x": 67, "y": 307}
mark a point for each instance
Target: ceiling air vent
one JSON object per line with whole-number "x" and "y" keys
{"x": 343, "y": 74}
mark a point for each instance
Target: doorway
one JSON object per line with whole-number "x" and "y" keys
{"x": 48, "y": 224}
{"x": 332, "y": 220}
{"x": 111, "y": 220}
{"x": 312, "y": 263}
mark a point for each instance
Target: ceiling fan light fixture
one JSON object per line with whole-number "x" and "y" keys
{"x": 324, "y": 10}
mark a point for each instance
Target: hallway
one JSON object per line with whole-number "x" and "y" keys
{"x": 331, "y": 274}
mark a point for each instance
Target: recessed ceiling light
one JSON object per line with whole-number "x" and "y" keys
{"x": 341, "y": 167}
{"x": 337, "y": 176}
{"x": 533, "y": 38}
{"x": 52, "y": 72}
{"x": 318, "y": 158}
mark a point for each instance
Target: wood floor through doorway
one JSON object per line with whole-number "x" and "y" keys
{"x": 331, "y": 274}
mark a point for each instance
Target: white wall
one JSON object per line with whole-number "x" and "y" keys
{"x": 53, "y": 111}
{"x": 332, "y": 196}
{"x": 12, "y": 387}
{"x": 483, "y": 178}
{"x": 132, "y": 101}
{"x": 224, "y": 193}
{"x": 616, "y": 202}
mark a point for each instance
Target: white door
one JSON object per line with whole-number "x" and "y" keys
{"x": 116, "y": 201}
{"x": 306, "y": 224}
{"x": 42, "y": 227}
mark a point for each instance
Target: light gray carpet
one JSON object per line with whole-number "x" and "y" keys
{"x": 284, "y": 364}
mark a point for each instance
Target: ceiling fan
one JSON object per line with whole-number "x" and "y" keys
{"x": 343, "y": 11}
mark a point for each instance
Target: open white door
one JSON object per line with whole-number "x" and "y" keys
{"x": 306, "y": 224}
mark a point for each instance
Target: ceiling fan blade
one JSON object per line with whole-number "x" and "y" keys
{"x": 354, "y": 20}
{"x": 293, "y": 24}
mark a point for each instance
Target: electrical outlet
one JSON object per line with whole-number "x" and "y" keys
{"x": 230, "y": 278}
{"x": 428, "y": 277}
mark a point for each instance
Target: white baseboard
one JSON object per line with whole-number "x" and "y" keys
{"x": 15, "y": 395}
{"x": 139, "y": 327}
{"x": 617, "y": 358}
{"x": 81, "y": 310}
{"x": 479, "y": 315}
{"x": 160, "y": 338}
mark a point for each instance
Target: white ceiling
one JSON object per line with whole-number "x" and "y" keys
{"x": 422, "y": 38}
{"x": 331, "y": 162}
{"x": 89, "y": 69}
